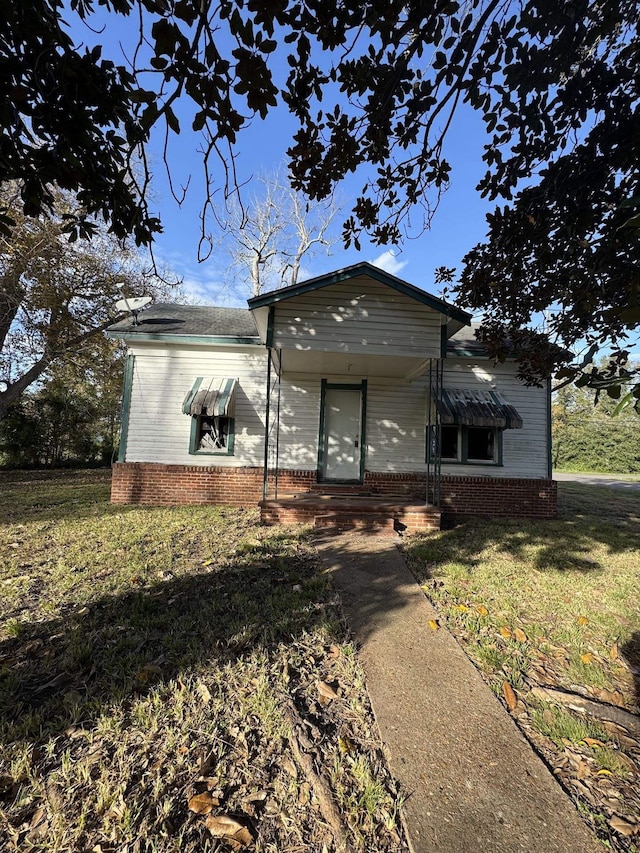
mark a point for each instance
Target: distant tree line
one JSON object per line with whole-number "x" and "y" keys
{"x": 69, "y": 418}
{"x": 588, "y": 437}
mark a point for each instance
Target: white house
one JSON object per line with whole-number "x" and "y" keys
{"x": 354, "y": 395}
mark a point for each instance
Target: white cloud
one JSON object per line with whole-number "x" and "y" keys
{"x": 389, "y": 262}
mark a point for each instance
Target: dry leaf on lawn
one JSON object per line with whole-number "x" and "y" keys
{"x": 233, "y": 832}
{"x": 587, "y": 658}
{"x": 482, "y": 610}
{"x": 434, "y": 624}
{"x": 509, "y": 695}
{"x": 461, "y": 608}
{"x": 613, "y": 652}
{"x": 326, "y": 690}
{"x": 506, "y": 632}
{"x": 203, "y": 803}
{"x": 203, "y": 690}
{"x": 622, "y": 826}
{"x": 582, "y": 620}
{"x": 520, "y": 635}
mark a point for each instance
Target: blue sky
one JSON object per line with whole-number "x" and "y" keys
{"x": 458, "y": 224}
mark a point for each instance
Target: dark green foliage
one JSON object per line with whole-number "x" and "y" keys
{"x": 373, "y": 86}
{"x": 72, "y": 419}
{"x": 586, "y": 437}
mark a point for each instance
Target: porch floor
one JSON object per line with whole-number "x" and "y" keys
{"x": 357, "y": 510}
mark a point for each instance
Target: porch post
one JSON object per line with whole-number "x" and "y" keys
{"x": 265, "y": 473}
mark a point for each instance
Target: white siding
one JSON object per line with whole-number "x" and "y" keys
{"x": 524, "y": 450}
{"x": 396, "y": 417}
{"x": 359, "y": 316}
{"x": 395, "y": 424}
{"x": 299, "y": 422}
{"x": 162, "y": 377}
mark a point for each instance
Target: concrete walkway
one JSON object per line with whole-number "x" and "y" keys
{"x": 474, "y": 784}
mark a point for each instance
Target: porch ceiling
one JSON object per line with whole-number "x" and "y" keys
{"x": 351, "y": 364}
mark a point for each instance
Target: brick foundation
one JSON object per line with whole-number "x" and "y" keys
{"x": 154, "y": 483}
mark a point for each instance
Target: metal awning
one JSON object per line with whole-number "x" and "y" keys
{"x": 477, "y": 408}
{"x": 212, "y": 396}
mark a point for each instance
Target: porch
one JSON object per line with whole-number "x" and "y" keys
{"x": 338, "y": 509}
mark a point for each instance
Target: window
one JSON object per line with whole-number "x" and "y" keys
{"x": 474, "y": 445}
{"x": 211, "y": 405}
{"x": 212, "y": 435}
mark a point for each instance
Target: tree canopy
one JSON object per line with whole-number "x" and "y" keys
{"x": 374, "y": 86}
{"x": 56, "y": 297}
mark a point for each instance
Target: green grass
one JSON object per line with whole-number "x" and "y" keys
{"x": 146, "y": 655}
{"x": 553, "y": 603}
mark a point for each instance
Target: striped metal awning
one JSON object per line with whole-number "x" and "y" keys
{"x": 477, "y": 408}
{"x": 212, "y": 396}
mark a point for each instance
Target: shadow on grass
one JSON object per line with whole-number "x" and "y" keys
{"x": 60, "y": 672}
{"x": 588, "y": 516}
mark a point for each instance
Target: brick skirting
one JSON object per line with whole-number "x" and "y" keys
{"x": 158, "y": 484}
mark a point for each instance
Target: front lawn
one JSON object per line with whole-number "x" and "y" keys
{"x": 162, "y": 671}
{"x": 548, "y": 606}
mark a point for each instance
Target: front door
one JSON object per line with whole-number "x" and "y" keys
{"x": 342, "y": 434}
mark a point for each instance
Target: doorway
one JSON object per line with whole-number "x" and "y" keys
{"x": 341, "y": 452}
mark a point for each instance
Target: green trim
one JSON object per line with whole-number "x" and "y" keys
{"x": 443, "y": 341}
{"x": 323, "y": 388}
{"x": 348, "y": 386}
{"x": 549, "y": 432}
{"x": 457, "y": 352}
{"x": 224, "y": 397}
{"x": 193, "y": 439}
{"x": 158, "y": 337}
{"x": 270, "y": 324}
{"x": 188, "y": 400}
{"x": 126, "y": 407}
{"x": 353, "y": 272}
{"x": 363, "y": 429}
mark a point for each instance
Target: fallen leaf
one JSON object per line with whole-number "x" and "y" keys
{"x": 520, "y": 635}
{"x": 506, "y": 632}
{"x": 582, "y": 620}
{"x": 622, "y": 826}
{"x": 509, "y": 695}
{"x": 583, "y": 770}
{"x": 434, "y": 624}
{"x": 592, "y": 741}
{"x": 587, "y": 658}
{"x": 326, "y": 690}
{"x": 334, "y": 652}
{"x": 482, "y": 610}
{"x": 203, "y": 803}
{"x": 461, "y": 608}
{"x": 233, "y": 832}
{"x": 613, "y": 652}
{"x": 203, "y": 690}
{"x": 604, "y": 772}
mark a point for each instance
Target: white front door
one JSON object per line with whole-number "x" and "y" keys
{"x": 342, "y": 434}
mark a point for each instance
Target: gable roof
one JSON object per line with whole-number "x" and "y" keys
{"x": 362, "y": 269}
{"x": 195, "y": 321}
